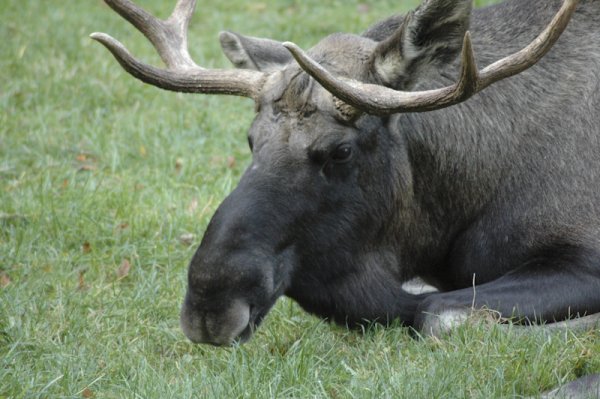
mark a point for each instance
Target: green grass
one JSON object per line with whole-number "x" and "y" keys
{"x": 98, "y": 171}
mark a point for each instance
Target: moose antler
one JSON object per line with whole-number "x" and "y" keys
{"x": 169, "y": 38}
{"x": 381, "y": 100}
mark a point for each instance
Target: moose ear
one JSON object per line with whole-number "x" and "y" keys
{"x": 429, "y": 38}
{"x": 247, "y": 52}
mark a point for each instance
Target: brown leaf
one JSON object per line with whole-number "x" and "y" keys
{"x": 81, "y": 285}
{"x": 193, "y": 206}
{"x": 230, "y": 162}
{"x": 87, "y": 168}
{"x": 86, "y": 247}
{"x": 123, "y": 270}
{"x": 178, "y": 165}
{"x": 85, "y": 163}
{"x": 87, "y": 393}
{"x": 4, "y": 280}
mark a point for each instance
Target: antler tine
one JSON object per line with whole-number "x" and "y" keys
{"x": 179, "y": 22}
{"x": 137, "y": 16}
{"x": 184, "y": 9}
{"x": 381, "y": 100}
{"x": 169, "y": 38}
{"x": 469, "y": 74}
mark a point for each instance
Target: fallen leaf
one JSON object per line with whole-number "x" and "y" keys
{"x": 87, "y": 168}
{"x": 219, "y": 161}
{"x": 85, "y": 162}
{"x": 86, "y": 247}
{"x": 230, "y": 162}
{"x": 178, "y": 165}
{"x": 123, "y": 270}
{"x": 4, "y": 280}
{"x": 193, "y": 205}
{"x": 87, "y": 393}
{"x": 187, "y": 239}
{"x": 81, "y": 285}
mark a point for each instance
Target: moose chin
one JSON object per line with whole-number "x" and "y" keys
{"x": 390, "y": 155}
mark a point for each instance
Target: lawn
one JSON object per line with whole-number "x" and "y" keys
{"x": 106, "y": 187}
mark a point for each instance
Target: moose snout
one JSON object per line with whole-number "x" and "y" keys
{"x": 221, "y": 328}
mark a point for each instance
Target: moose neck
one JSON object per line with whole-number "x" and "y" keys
{"x": 367, "y": 292}
{"x": 459, "y": 157}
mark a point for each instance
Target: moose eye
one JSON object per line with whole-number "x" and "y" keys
{"x": 342, "y": 153}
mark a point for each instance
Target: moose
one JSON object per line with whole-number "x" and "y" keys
{"x": 390, "y": 155}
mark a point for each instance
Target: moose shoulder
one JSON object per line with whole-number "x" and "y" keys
{"x": 354, "y": 189}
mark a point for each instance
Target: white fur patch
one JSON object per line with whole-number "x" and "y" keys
{"x": 417, "y": 286}
{"x": 437, "y": 325}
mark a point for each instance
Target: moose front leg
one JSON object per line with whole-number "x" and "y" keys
{"x": 551, "y": 287}
{"x": 369, "y": 293}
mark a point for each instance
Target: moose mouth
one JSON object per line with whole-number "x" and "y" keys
{"x": 256, "y": 319}
{"x": 258, "y": 314}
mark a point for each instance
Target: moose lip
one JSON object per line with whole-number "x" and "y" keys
{"x": 256, "y": 318}
{"x": 246, "y": 334}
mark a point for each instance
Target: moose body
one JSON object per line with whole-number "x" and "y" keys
{"x": 495, "y": 201}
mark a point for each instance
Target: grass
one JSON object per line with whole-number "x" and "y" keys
{"x": 104, "y": 180}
